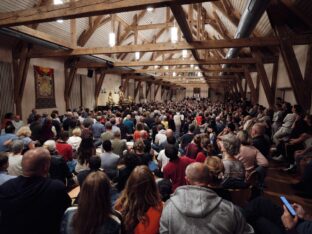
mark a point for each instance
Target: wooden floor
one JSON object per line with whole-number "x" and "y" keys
{"x": 278, "y": 183}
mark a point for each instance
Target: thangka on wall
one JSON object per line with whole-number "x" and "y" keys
{"x": 44, "y": 87}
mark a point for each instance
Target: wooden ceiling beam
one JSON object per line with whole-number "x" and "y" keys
{"x": 166, "y": 46}
{"x": 185, "y": 62}
{"x": 291, "y": 6}
{"x": 97, "y": 22}
{"x": 185, "y": 70}
{"x": 43, "y": 36}
{"x": 82, "y": 8}
{"x": 196, "y": 77}
{"x": 180, "y": 17}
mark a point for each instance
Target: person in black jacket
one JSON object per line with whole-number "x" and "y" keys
{"x": 33, "y": 203}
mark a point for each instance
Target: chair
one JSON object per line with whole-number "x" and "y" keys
{"x": 240, "y": 197}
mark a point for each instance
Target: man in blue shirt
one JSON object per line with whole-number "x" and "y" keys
{"x": 7, "y": 137}
{"x": 129, "y": 124}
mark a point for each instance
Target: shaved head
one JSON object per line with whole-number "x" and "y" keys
{"x": 197, "y": 174}
{"x": 169, "y": 132}
{"x": 258, "y": 129}
{"x": 36, "y": 162}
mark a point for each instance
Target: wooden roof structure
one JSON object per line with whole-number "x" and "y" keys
{"x": 79, "y": 31}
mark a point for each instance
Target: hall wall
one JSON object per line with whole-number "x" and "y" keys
{"x": 282, "y": 76}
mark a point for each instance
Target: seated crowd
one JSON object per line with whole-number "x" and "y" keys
{"x": 193, "y": 166}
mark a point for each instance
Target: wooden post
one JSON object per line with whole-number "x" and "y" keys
{"x": 274, "y": 79}
{"x": 69, "y": 78}
{"x": 251, "y": 86}
{"x": 20, "y": 71}
{"x": 98, "y": 86}
{"x": 263, "y": 78}
{"x": 289, "y": 57}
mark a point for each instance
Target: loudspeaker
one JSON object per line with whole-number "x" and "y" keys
{"x": 90, "y": 73}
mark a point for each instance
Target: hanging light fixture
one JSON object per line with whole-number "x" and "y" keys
{"x": 112, "y": 39}
{"x": 58, "y": 2}
{"x": 166, "y": 67}
{"x": 156, "y": 67}
{"x": 60, "y": 21}
{"x": 150, "y": 9}
{"x": 137, "y": 55}
{"x": 174, "y": 74}
{"x": 196, "y": 68}
{"x": 192, "y": 66}
{"x": 174, "y": 34}
{"x": 184, "y": 53}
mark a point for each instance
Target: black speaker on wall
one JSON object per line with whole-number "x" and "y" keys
{"x": 90, "y": 73}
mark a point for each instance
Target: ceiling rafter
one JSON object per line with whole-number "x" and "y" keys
{"x": 94, "y": 24}
{"x": 82, "y": 8}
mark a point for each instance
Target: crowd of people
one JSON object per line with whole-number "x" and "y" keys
{"x": 193, "y": 166}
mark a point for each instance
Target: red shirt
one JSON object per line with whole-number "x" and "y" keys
{"x": 175, "y": 171}
{"x": 152, "y": 226}
{"x": 199, "y": 119}
{"x": 192, "y": 151}
{"x": 136, "y": 135}
{"x": 65, "y": 150}
{"x": 201, "y": 157}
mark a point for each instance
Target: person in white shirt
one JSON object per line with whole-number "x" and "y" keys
{"x": 17, "y": 122}
{"x": 177, "y": 122}
{"x": 75, "y": 139}
{"x": 15, "y": 159}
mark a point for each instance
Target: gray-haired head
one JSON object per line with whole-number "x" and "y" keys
{"x": 231, "y": 144}
{"x": 117, "y": 133}
{"x": 17, "y": 146}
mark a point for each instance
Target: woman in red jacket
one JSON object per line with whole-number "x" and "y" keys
{"x": 140, "y": 203}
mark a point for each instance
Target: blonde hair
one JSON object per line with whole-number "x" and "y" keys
{"x": 77, "y": 132}
{"x": 24, "y": 131}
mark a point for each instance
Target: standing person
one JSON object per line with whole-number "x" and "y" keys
{"x": 119, "y": 145}
{"x": 205, "y": 150}
{"x": 140, "y": 203}
{"x": 85, "y": 151}
{"x": 177, "y": 122}
{"x": 7, "y": 137}
{"x": 194, "y": 208}
{"x": 129, "y": 124}
{"x": 97, "y": 128}
{"x": 234, "y": 171}
{"x": 175, "y": 169}
{"x": 24, "y": 134}
{"x": 15, "y": 158}
{"x": 63, "y": 148}
{"x": 75, "y": 139}
{"x": 259, "y": 139}
{"x": 188, "y": 137}
{"x": 94, "y": 213}
{"x": 33, "y": 203}
{"x": 250, "y": 156}
{"x": 109, "y": 160}
{"x": 108, "y": 134}
{"x": 277, "y": 120}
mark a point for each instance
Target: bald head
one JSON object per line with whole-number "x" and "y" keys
{"x": 36, "y": 162}
{"x": 197, "y": 174}
{"x": 169, "y": 132}
{"x": 258, "y": 129}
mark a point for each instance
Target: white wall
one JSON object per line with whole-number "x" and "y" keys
{"x": 111, "y": 83}
{"x": 282, "y": 76}
{"x": 203, "y": 90}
